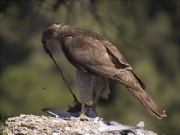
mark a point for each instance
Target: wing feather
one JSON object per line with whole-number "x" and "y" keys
{"x": 86, "y": 39}
{"x": 115, "y": 52}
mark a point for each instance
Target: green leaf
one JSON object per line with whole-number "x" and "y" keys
{"x": 4, "y": 118}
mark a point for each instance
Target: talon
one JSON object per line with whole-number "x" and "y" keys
{"x": 84, "y": 117}
{"x": 81, "y": 117}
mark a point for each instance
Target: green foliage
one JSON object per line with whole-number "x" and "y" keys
{"x": 3, "y": 132}
{"x": 4, "y": 117}
{"x": 144, "y": 32}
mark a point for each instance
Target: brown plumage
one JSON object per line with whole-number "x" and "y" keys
{"x": 96, "y": 56}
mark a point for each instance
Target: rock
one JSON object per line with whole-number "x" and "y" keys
{"x": 42, "y": 125}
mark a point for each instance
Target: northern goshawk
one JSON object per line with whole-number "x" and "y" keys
{"x": 97, "y": 60}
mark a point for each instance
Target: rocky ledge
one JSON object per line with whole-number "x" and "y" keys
{"x": 42, "y": 125}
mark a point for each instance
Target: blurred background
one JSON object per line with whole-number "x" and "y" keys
{"x": 145, "y": 32}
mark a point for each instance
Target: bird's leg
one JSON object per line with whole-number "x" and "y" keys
{"x": 85, "y": 84}
{"x": 82, "y": 115}
{"x": 98, "y": 94}
{"x": 101, "y": 88}
{"x": 83, "y": 108}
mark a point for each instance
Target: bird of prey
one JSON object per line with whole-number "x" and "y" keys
{"x": 97, "y": 60}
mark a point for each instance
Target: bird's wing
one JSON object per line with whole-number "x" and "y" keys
{"x": 89, "y": 50}
{"x": 115, "y": 52}
{"x": 102, "y": 41}
{"x": 100, "y": 58}
{"x": 91, "y": 55}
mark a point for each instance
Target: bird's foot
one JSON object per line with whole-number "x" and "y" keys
{"x": 84, "y": 117}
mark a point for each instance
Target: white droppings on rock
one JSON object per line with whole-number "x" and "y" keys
{"x": 95, "y": 119}
{"x": 56, "y": 121}
{"x": 67, "y": 128}
{"x": 54, "y": 133}
{"x": 36, "y": 125}
{"x": 141, "y": 124}
{"x": 23, "y": 115}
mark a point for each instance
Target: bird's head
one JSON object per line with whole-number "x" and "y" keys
{"x": 51, "y": 32}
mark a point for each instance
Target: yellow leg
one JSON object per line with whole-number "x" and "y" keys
{"x": 82, "y": 114}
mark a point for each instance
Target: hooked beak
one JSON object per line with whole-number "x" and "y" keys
{"x": 43, "y": 42}
{"x": 45, "y": 46}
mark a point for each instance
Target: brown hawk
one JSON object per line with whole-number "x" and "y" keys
{"x": 97, "y": 60}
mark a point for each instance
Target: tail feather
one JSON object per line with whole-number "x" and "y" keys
{"x": 137, "y": 88}
{"x": 148, "y": 102}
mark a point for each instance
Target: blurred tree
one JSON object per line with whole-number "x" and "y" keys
{"x": 145, "y": 32}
